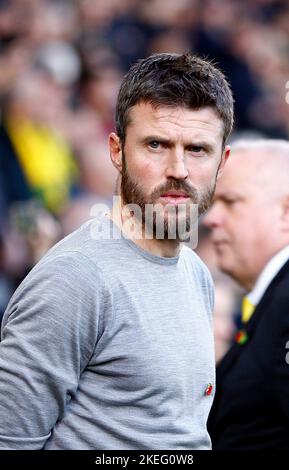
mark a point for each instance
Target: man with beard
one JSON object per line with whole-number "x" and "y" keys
{"x": 250, "y": 231}
{"x": 107, "y": 344}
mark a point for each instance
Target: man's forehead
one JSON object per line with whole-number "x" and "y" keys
{"x": 239, "y": 177}
{"x": 224, "y": 192}
{"x": 234, "y": 177}
{"x": 204, "y": 120}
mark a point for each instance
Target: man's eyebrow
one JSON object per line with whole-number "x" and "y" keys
{"x": 226, "y": 196}
{"x": 200, "y": 143}
{"x": 151, "y": 138}
{"x": 197, "y": 143}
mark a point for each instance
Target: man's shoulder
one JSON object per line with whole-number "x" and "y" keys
{"x": 88, "y": 242}
{"x": 278, "y": 290}
{"x": 276, "y": 296}
{"x": 196, "y": 261}
{"x": 77, "y": 258}
{"x": 202, "y": 276}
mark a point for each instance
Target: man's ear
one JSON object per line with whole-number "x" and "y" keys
{"x": 225, "y": 156}
{"x": 115, "y": 150}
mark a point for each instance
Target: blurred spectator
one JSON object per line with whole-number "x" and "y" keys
{"x": 99, "y": 89}
{"x": 6, "y": 286}
{"x": 250, "y": 230}
{"x": 31, "y": 139}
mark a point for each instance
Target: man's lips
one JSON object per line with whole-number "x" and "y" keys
{"x": 220, "y": 243}
{"x": 175, "y": 194}
{"x": 172, "y": 197}
{"x": 218, "y": 238}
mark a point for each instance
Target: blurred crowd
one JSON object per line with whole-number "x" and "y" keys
{"x": 61, "y": 64}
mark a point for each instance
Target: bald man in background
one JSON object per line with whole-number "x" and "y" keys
{"x": 250, "y": 231}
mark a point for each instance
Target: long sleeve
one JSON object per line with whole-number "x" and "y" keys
{"x": 49, "y": 332}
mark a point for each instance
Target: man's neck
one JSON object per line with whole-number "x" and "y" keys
{"x": 132, "y": 228}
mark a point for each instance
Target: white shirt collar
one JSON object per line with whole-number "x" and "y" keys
{"x": 267, "y": 275}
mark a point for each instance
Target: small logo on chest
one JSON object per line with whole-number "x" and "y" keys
{"x": 209, "y": 389}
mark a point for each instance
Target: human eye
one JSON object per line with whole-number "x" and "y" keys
{"x": 196, "y": 149}
{"x": 229, "y": 201}
{"x": 154, "y": 144}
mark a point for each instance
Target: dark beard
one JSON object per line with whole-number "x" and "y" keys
{"x": 132, "y": 193}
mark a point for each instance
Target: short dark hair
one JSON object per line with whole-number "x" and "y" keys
{"x": 174, "y": 80}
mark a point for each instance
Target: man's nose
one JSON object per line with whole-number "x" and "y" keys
{"x": 177, "y": 165}
{"x": 214, "y": 217}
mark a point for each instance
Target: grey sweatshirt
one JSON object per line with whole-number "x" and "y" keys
{"x": 106, "y": 346}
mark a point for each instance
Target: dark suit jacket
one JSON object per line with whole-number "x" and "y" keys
{"x": 251, "y": 406}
